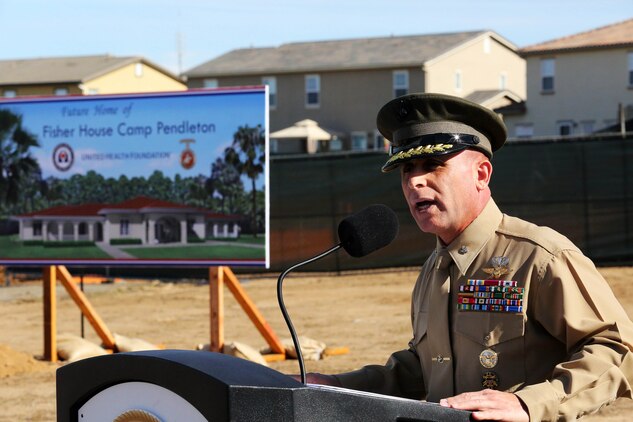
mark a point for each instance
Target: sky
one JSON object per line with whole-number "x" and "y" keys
{"x": 181, "y": 34}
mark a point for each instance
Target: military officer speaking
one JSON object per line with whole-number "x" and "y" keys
{"x": 510, "y": 320}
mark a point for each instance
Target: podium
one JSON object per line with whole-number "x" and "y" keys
{"x": 192, "y": 386}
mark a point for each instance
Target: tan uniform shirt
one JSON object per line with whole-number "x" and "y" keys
{"x": 566, "y": 353}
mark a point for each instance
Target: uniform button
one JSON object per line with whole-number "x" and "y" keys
{"x": 463, "y": 250}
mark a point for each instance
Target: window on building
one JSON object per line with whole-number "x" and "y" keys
{"x": 400, "y": 83}
{"x": 587, "y": 126}
{"x": 336, "y": 144}
{"x": 487, "y": 45}
{"x": 359, "y": 141}
{"x": 210, "y": 83}
{"x": 379, "y": 141}
{"x": 524, "y": 130}
{"x": 630, "y": 73}
{"x": 60, "y": 91}
{"x": 138, "y": 70}
{"x": 548, "y": 69}
{"x": 565, "y": 127}
{"x": 9, "y": 93}
{"x": 124, "y": 228}
{"x": 313, "y": 90}
{"x": 37, "y": 228}
{"x": 271, "y": 81}
{"x": 503, "y": 80}
{"x": 274, "y": 146}
{"x": 458, "y": 80}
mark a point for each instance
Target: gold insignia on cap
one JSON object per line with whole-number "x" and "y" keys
{"x": 414, "y": 152}
{"x": 500, "y": 267}
{"x": 490, "y": 380}
{"x": 488, "y": 358}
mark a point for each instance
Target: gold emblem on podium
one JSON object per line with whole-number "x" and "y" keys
{"x": 136, "y": 415}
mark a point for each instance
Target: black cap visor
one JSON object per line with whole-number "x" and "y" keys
{"x": 430, "y": 145}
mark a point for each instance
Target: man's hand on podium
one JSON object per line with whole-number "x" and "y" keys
{"x": 489, "y": 405}
{"x": 316, "y": 378}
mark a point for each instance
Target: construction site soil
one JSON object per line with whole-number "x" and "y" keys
{"x": 366, "y": 312}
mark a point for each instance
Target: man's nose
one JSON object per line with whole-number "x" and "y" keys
{"x": 417, "y": 179}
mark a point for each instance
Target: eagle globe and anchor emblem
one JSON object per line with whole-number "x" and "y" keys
{"x": 187, "y": 156}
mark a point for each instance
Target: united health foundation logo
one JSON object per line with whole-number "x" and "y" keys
{"x": 187, "y": 156}
{"x": 63, "y": 157}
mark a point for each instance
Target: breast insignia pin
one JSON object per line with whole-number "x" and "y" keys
{"x": 490, "y": 380}
{"x": 488, "y": 358}
{"x": 500, "y": 266}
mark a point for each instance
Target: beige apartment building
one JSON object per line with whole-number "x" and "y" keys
{"x": 577, "y": 85}
{"x": 84, "y": 75}
{"x": 341, "y": 84}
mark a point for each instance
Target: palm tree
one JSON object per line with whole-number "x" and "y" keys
{"x": 247, "y": 155}
{"x": 225, "y": 180}
{"x": 16, "y": 163}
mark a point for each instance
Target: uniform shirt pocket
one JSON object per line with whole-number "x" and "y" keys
{"x": 499, "y": 334}
{"x": 490, "y": 328}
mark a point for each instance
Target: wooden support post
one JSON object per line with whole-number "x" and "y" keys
{"x": 50, "y": 313}
{"x": 216, "y": 294}
{"x": 86, "y": 308}
{"x": 251, "y": 310}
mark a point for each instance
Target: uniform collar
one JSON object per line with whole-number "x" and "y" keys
{"x": 465, "y": 247}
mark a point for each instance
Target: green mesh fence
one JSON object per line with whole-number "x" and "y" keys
{"x": 581, "y": 187}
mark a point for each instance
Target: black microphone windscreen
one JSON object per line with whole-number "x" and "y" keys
{"x": 368, "y": 230}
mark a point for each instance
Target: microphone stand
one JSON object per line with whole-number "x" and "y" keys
{"x": 284, "y": 312}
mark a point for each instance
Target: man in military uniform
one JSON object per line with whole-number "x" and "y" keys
{"x": 510, "y": 320}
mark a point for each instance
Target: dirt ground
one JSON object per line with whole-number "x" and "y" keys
{"x": 366, "y": 312}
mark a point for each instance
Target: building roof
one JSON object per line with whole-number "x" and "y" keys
{"x": 82, "y": 210}
{"x": 137, "y": 204}
{"x": 487, "y": 96}
{"x": 362, "y": 53}
{"x": 618, "y": 35}
{"x": 143, "y": 202}
{"x": 65, "y": 69}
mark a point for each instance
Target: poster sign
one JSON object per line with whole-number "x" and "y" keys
{"x": 170, "y": 179}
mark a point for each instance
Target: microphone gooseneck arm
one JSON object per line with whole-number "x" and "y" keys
{"x": 284, "y": 312}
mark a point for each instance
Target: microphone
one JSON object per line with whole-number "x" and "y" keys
{"x": 368, "y": 230}
{"x": 360, "y": 234}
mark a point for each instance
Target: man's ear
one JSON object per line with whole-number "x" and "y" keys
{"x": 484, "y": 172}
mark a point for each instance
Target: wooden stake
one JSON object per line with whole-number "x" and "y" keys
{"x": 251, "y": 310}
{"x": 86, "y": 308}
{"x": 216, "y": 294}
{"x": 50, "y": 313}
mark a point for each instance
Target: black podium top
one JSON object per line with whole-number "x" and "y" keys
{"x": 225, "y": 388}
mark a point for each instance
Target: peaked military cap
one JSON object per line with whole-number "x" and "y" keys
{"x": 422, "y": 125}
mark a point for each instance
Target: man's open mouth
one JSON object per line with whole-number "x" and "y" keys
{"x": 423, "y": 205}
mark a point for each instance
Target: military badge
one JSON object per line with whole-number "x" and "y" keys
{"x": 488, "y": 358}
{"x": 499, "y": 267}
{"x": 493, "y": 294}
{"x": 490, "y": 380}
